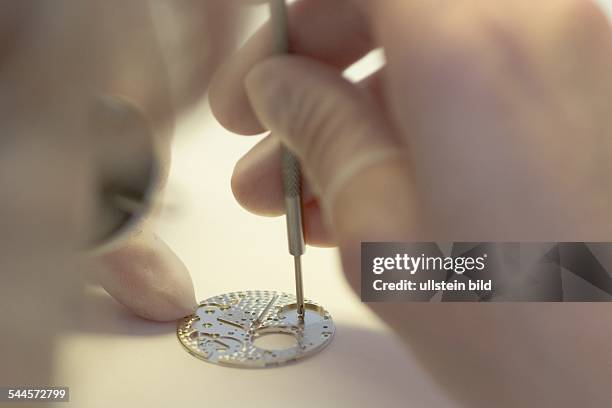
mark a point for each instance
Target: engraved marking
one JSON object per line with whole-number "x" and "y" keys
{"x": 258, "y": 321}
{"x": 222, "y": 343}
{"x": 222, "y": 320}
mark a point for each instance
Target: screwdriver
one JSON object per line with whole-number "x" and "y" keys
{"x": 291, "y": 172}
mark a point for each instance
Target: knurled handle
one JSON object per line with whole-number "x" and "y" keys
{"x": 292, "y": 186}
{"x": 291, "y": 173}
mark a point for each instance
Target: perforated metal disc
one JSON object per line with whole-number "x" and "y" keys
{"x": 224, "y": 328}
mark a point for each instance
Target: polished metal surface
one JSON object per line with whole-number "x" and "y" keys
{"x": 224, "y": 329}
{"x": 299, "y": 286}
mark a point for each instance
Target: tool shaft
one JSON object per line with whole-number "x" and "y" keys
{"x": 299, "y": 287}
{"x": 292, "y": 177}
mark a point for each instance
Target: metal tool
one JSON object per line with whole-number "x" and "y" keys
{"x": 292, "y": 178}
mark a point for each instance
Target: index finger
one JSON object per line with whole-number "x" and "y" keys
{"x": 333, "y": 32}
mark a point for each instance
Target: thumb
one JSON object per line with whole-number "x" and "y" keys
{"x": 147, "y": 277}
{"x": 347, "y": 148}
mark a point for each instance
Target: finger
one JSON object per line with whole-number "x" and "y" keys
{"x": 148, "y": 278}
{"x": 316, "y": 232}
{"x": 347, "y": 148}
{"x": 327, "y": 121}
{"x": 332, "y": 32}
{"x": 131, "y": 163}
{"x": 257, "y": 186}
{"x": 256, "y": 181}
{"x": 195, "y": 36}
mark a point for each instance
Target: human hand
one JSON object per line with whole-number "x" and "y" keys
{"x": 87, "y": 87}
{"x": 485, "y": 81}
{"x": 488, "y": 122}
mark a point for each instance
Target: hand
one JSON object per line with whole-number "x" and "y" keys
{"x": 58, "y": 61}
{"x": 489, "y": 122}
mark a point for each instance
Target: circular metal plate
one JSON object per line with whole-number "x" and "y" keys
{"x": 224, "y": 329}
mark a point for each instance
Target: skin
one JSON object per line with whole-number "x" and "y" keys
{"x": 91, "y": 52}
{"x": 498, "y": 115}
{"x": 58, "y": 60}
{"x": 519, "y": 71}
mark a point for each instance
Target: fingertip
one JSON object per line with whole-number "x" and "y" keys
{"x": 316, "y": 232}
{"x": 265, "y": 86}
{"x": 256, "y": 180}
{"x": 256, "y": 184}
{"x": 249, "y": 195}
{"x": 230, "y": 105}
{"x": 334, "y": 33}
{"x": 149, "y": 279}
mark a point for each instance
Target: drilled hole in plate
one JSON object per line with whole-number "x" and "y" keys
{"x": 275, "y": 341}
{"x": 311, "y": 312}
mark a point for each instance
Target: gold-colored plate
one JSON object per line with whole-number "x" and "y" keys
{"x": 224, "y": 328}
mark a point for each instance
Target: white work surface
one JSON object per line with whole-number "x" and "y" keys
{"x": 112, "y": 359}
